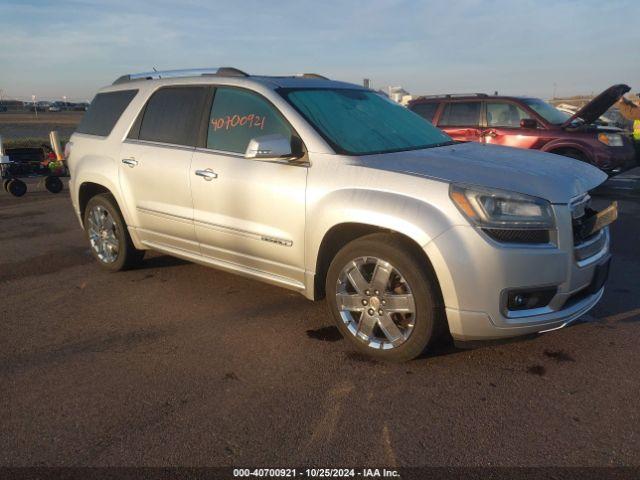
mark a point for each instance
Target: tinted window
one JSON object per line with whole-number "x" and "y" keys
{"x": 237, "y": 116}
{"x": 104, "y": 112}
{"x": 426, "y": 110}
{"x": 504, "y": 114}
{"x": 173, "y": 115}
{"x": 360, "y": 122}
{"x": 461, "y": 114}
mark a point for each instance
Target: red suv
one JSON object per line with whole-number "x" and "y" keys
{"x": 533, "y": 123}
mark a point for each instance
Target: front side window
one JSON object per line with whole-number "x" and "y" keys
{"x": 460, "y": 114}
{"x": 173, "y": 115}
{"x": 237, "y": 116}
{"x": 505, "y": 114}
{"x": 361, "y": 122}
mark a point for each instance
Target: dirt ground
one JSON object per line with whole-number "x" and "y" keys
{"x": 16, "y": 126}
{"x": 177, "y": 364}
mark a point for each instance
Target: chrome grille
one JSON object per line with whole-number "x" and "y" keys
{"x": 585, "y": 248}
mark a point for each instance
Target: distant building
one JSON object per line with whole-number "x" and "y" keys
{"x": 397, "y": 94}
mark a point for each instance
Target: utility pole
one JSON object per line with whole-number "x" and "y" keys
{"x": 35, "y": 109}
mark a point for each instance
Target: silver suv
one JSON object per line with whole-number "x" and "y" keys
{"x": 334, "y": 191}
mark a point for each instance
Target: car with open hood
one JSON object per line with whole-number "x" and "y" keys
{"x": 334, "y": 191}
{"x": 526, "y": 122}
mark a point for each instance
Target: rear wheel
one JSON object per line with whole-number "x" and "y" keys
{"x": 108, "y": 236}
{"x": 16, "y": 187}
{"x": 383, "y": 299}
{"x": 5, "y": 184}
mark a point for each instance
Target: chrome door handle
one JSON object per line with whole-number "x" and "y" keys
{"x": 132, "y": 162}
{"x": 207, "y": 174}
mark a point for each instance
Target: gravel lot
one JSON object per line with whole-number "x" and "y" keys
{"x": 177, "y": 364}
{"x": 15, "y": 126}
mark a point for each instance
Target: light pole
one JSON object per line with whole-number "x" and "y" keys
{"x": 35, "y": 109}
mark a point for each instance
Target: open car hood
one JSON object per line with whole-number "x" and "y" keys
{"x": 600, "y": 104}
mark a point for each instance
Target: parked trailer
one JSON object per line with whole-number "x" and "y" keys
{"x": 17, "y": 163}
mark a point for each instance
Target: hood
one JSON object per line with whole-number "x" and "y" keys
{"x": 551, "y": 177}
{"x": 599, "y": 105}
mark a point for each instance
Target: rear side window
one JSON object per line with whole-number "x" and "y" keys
{"x": 104, "y": 112}
{"x": 460, "y": 114}
{"x": 238, "y": 116}
{"x": 426, "y": 110}
{"x": 173, "y": 115}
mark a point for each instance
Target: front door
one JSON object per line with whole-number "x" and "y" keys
{"x": 503, "y": 126}
{"x": 248, "y": 213}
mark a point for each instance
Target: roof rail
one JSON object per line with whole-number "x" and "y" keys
{"x": 157, "y": 74}
{"x": 455, "y": 95}
{"x": 312, "y": 75}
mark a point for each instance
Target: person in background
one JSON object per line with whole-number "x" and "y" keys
{"x": 631, "y": 111}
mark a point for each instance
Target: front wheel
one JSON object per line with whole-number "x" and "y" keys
{"x": 384, "y": 299}
{"x": 108, "y": 236}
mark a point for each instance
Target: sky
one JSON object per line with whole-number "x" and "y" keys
{"x": 73, "y": 47}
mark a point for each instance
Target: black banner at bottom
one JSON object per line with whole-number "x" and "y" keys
{"x": 234, "y": 473}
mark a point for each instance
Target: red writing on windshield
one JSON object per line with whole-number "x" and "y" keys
{"x": 250, "y": 120}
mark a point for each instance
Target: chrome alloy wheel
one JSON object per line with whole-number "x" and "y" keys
{"x": 103, "y": 234}
{"x": 375, "y": 302}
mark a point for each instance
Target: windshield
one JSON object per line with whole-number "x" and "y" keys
{"x": 361, "y": 122}
{"x": 547, "y": 111}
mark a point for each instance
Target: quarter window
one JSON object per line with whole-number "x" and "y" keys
{"x": 460, "y": 114}
{"x": 237, "y": 116}
{"x": 426, "y": 110}
{"x": 173, "y": 115}
{"x": 505, "y": 114}
{"x": 104, "y": 112}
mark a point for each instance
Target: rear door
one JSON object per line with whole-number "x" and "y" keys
{"x": 461, "y": 120}
{"x": 154, "y": 166}
{"x": 503, "y": 125}
{"x": 248, "y": 213}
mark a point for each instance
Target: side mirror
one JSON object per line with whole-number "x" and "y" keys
{"x": 269, "y": 147}
{"x": 528, "y": 123}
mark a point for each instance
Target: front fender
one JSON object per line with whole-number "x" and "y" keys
{"x": 414, "y": 218}
{"x": 585, "y": 149}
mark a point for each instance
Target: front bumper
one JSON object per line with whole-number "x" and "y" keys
{"x": 475, "y": 271}
{"x": 615, "y": 160}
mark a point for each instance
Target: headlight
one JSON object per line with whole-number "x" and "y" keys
{"x": 610, "y": 139}
{"x": 492, "y": 208}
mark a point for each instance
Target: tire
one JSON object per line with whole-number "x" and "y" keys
{"x": 411, "y": 286}
{"x": 16, "y": 187}
{"x": 108, "y": 236}
{"x": 575, "y": 155}
{"x": 53, "y": 184}
{"x": 5, "y": 184}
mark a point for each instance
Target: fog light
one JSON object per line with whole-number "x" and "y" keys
{"x": 530, "y": 298}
